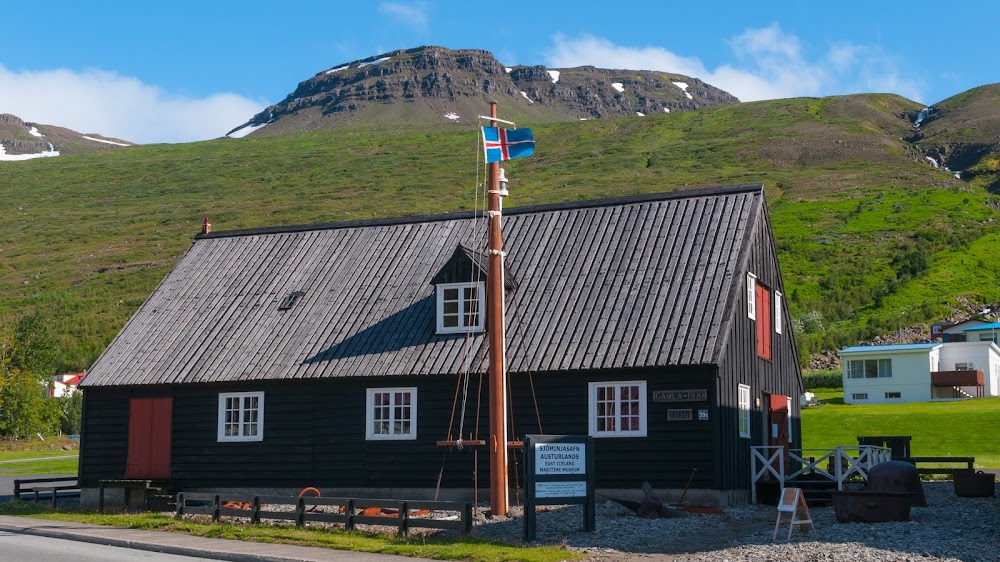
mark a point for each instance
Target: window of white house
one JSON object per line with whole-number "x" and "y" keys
{"x": 391, "y": 414}
{"x": 988, "y": 337}
{"x": 744, "y": 410}
{"x": 965, "y": 367}
{"x": 751, "y": 296}
{"x": 617, "y": 409}
{"x": 859, "y": 396}
{"x": 777, "y": 312}
{"x": 869, "y": 368}
{"x": 241, "y": 416}
{"x": 460, "y": 307}
{"x": 893, "y": 394}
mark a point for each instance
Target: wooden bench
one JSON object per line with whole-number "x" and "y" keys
{"x": 966, "y": 461}
{"x": 51, "y": 486}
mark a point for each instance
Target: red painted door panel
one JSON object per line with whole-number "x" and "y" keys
{"x": 149, "y": 423}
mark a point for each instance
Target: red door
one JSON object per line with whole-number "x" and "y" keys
{"x": 777, "y": 425}
{"x": 149, "y": 423}
{"x": 777, "y": 419}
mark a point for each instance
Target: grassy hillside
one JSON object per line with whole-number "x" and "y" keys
{"x": 868, "y": 233}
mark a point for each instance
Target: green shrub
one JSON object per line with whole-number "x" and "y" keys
{"x": 826, "y": 379}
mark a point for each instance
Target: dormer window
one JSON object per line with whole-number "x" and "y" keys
{"x": 461, "y": 307}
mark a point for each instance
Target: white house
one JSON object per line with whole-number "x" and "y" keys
{"x": 65, "y": 385}
{"x": 920, "y": 372}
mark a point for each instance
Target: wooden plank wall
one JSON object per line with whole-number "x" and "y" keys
{"x": 314, "y": 433}
{"x": 740, "y": 365}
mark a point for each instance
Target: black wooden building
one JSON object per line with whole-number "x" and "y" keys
{"x": 336, "y": 355}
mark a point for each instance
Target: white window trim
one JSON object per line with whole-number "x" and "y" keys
{"x": 777, "y": 312}
{"x": 859, "y": 396}
{"x": 370, "y": 435}
{"x": 743, "y": 409}
{"x": 751, "y": 296}
{"x": 480, "y": 317}
{"x": 221, "y": 429}
{"x": 788, "y": 418}
{"x": 592, "y": 409}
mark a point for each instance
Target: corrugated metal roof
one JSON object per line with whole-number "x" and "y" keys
{"x": 991, "y": 326}
{"x": 880, "y": 348}
{"x": 601, "y": 284}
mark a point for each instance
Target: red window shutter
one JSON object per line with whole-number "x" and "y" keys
{"x": 763, "y": 322}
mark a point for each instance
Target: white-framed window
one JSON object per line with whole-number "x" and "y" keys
{"x": 889, "y": 395}
{"x": 751, "y": 296}
{"x": 869, "y": 368}
{"x": 617, "y": 409}
{"x": 965, "y": 367}
{"x": 859, "y": 396}
{"x": 241, "y": 416}
{"x": 461, "y": 307}
{"x": 391, "y": 414}
{"x": 744, "y": 410}
{"x": 777, "y": 312}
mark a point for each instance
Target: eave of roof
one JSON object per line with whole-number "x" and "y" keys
{"x": 902, "y": 348}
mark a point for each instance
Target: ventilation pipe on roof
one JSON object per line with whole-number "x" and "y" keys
{"x": 206, "y": 226}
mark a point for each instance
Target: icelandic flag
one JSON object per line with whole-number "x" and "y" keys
{"x": 502, "y": 144}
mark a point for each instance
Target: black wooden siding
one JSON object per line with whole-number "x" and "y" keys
{"x": 740, "y": 365}
{"x": 314, "y": 434}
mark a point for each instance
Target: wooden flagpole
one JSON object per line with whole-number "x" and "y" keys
{"x": 499, "y": 500}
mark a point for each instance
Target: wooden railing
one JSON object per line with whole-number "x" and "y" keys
{"x": 51, "y": 486}
{"x": 836, "y": 465}
{"x": 350, "y": 511}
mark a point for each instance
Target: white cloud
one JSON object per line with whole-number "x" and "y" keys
{"x": 413, "y": 14}
{"x": 97, "y": 101}
{"x": 768, "y": 64}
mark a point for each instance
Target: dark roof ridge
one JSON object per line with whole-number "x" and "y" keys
{"x": 528, "y": 209}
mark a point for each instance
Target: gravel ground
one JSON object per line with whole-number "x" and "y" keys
{"x": 950, "y": 529}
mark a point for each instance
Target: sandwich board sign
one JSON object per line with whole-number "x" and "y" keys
{"x": 559, "y": 471}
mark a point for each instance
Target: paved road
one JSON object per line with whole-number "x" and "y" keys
{"x": 55, "y": 458}
{"x": 28, "y": 548}
{"x": 179, "y": 544}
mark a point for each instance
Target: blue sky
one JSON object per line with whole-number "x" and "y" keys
{"x": 178, "y": 71}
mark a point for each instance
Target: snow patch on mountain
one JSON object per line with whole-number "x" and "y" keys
{"x": 105, "y": 141}
{"x": 684, "y": 88}
{"x": 376, "y": 61}
{"x": 618, "y": 86}
{"x": 34, "y": 131}
{"x": 11, "y": 157}
{"x": 554, "y": 74}
{"x": 526, "y": 97}
{"x": 244, "y": 131}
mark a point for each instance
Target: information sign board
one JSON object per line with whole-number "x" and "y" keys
{"x": 559, "y": 469}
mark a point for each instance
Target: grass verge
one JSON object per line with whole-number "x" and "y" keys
{"x": 460, "y": 548}
{"x": 962, "y": 428}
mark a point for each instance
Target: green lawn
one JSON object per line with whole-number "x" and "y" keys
{"x": 57, "y": 466}
{"x": 963, "y": 428}
{"x": 15, "y": 455}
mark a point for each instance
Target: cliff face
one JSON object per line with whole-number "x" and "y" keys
{"x": 437, "y": 85}
{"x": 21, "y": 140}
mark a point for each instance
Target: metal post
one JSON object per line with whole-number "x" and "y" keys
{"x": 499, "y": 501}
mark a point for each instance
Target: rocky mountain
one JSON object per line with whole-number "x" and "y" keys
{"x": 21, "y": 140}
{"x": 962, "y": 134}
{"x": 435, "y": 85}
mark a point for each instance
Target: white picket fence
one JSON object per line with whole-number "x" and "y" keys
{"x": 845, "y": 461}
